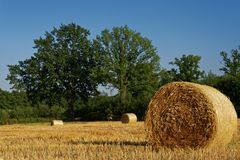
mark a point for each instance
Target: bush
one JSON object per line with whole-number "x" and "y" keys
{"x": 227, "y": 84}
{"x": 23, "y": 113}
{"x": 94, "y": 116}
{"x": 43, "y": 111}
{"x": 4, "y": 117}
{"x": 57, "y": 112}
{"x": 230, "y": 86}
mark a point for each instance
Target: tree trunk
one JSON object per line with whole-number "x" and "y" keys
{"x": 123, "y": 93}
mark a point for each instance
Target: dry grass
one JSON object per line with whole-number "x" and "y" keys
{"x": 95, "y": 140}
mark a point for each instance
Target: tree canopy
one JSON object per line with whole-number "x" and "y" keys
{"x": 231, "y": 65}
{"x": 188, "y": 68}
{"x": 129, "y": 62}
{"x": 62, "y": 77}
{"x": 60, "y": 70}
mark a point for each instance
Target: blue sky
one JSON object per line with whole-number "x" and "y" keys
{"x": 175, "y": 27}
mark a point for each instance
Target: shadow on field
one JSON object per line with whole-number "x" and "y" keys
{"x": 121, "y": 143}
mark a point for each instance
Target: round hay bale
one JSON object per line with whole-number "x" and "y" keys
{"x": 189, "y": 115}
{"x": 128, "y": 118}
{"x": 56, "y": 123}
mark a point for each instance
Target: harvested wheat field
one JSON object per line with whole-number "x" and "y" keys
{"x": 96, "y": 140}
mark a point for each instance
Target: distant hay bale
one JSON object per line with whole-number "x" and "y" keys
{"x": 128, "y": 118}
{"x": 57, "y": 123}
{"x": 189, "y": 115}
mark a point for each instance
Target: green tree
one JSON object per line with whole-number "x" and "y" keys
{"x": 129, "y": 62}
{"x": 232, "y": 63}
{"x": 210, "y": 79}
{"x": 188, "y": 68}
{"x": 12, "y": 100}
{"x": 229, "y": 83}
{"x": 59, "y": 70}
{"x": 166, "y": 76}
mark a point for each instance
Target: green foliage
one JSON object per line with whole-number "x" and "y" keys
{"x": 12, "y": 100}
{"x": 128, "y": 62}
{"x": 230, "y": 86}
{"x": 139, "y": 105}
{"x": 60, "y": 68}
{"x": 61, "y": 78}
{"x": 43, "y": 110}
{"x": 4, "y": 117}
{"x": 232, "y": 63}
{"x": 210, "y": 79}
{"x": 97, "y": 108}
{"x": 166, "y": 76}
{"x": 110, "y": 108}
{"x": 21, "y": 113}
{"x": 188, "y": 68}
{"x": 57, "y": 112}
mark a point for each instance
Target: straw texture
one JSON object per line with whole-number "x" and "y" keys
{"x": 189, "y": 115}
{"x": 128, "y": 118}
{"x": 56, "y": 122}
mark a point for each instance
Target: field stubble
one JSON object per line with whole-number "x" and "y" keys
{"x": 95, "y": 140}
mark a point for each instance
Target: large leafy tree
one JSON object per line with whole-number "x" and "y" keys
{"x": 187, "y": 68}
{"x": 129, "y": 62}
{"x": 232, "y": 63}
{"x": 61, "y": 68}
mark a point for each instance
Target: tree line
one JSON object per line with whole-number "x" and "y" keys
{"x": 62, "y": 78}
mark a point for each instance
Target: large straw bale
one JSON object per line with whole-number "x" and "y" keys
{"x": 128, "y": 118}
{"x": 190, "y": 115}
{"x": 57, "y": 123}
